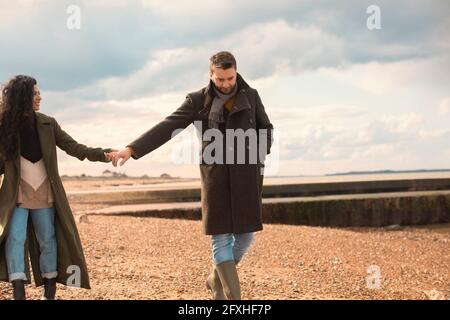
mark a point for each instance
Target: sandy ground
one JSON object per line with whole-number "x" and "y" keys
{"x": 152, "y": 258}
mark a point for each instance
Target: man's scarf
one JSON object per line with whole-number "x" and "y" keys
{"x": 216, "y": 113}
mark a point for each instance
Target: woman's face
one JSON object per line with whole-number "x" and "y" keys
{"x": 36, "y": 98}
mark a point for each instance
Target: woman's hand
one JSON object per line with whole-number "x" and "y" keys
{"x": 110, "y": 155}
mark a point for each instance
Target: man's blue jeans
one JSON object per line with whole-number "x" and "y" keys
{"x": 230, "y": 246}
{"x": 44, "y": 227}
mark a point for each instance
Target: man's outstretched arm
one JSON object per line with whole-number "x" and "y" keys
{"x": 159, "y": 134}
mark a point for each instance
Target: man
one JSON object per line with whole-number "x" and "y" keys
{"x": 228, "y": 109}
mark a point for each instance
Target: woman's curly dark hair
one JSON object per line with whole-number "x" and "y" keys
{"x": 16, "y": 107}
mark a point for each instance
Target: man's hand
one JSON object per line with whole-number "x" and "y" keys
{"x": 124, "y": 154}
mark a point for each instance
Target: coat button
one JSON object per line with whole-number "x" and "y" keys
{"x": 251, "y": 120}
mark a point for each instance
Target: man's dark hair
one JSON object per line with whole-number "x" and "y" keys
{"x": 223, "y": 60}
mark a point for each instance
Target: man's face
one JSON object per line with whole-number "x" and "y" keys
{"x": 36, "y": 98}
{"x": 224, "y": 79}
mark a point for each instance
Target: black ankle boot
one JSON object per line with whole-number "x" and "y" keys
{"x": 49, "y": 289}
{"x": 18, "y": 289}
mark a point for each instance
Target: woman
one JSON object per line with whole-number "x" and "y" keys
{"x": 32, "y": 187}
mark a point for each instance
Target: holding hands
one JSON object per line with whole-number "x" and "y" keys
{"x": 109, "y": 153}
{"x": 123, "y": 154}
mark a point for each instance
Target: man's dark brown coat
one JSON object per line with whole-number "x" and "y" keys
{"x": 231, "y": 193}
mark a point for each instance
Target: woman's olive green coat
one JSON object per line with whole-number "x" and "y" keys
{"x": 71, "y": 268}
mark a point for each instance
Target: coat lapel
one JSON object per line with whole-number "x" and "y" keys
{"x": 17, "y": 159}
{"x": 208, "y": 100}
{"x": 45, "y": 136}
{"x": 240, "y": 102}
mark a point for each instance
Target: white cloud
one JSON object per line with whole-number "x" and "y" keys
{"x": 403, "y": 124}
{"x": 158, "y": 74}
{"x": 372, "y": 112}
{"x": 179, "y": 8}
{"x": 433, "y": 134}
{"x": 379, "y": 150}
{"x": 444, "y": 106}
{"x": 382, "y": 78}
{"x": 320, "y": 113}
{"x": 270, "y": 50}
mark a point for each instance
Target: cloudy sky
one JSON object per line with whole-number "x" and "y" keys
{"x": 341, "y": 96}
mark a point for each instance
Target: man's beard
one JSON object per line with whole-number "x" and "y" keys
{"x": 229, "y": 90}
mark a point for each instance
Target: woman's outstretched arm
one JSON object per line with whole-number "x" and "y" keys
{"x": 65, "y": 142}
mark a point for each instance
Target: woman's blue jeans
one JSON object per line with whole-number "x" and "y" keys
{"x": 44, "y": 227}
{"x": 230, "y": 246}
